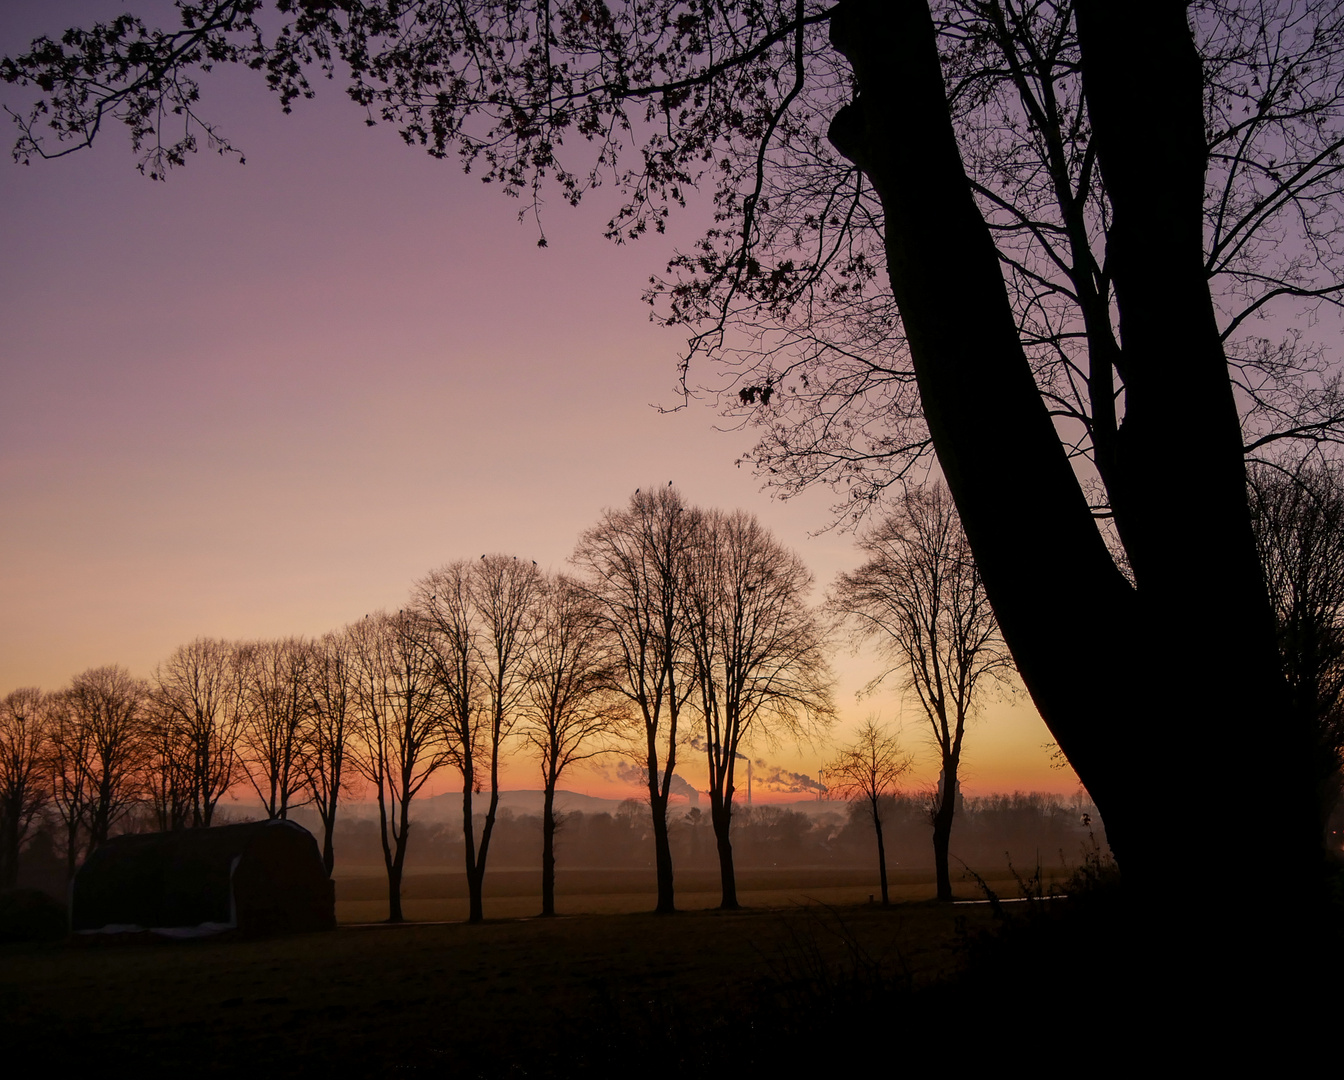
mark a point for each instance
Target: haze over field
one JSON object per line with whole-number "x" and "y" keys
{"x": 261, "y": 400}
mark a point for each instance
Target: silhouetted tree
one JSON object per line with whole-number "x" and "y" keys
{"x": 920, "y": 598}
{"x": 504, "y": 592}
{"x": 480, "y": 617}
{"x": 399, "y": 711}
{"x": 275, "y": 680}
{"x": 70, "y": 786}
{"x": 1298, "y": 519}
{"x": 333, "y": 682}
{"x": 443, "y": 601}
{"x": 168, "y": 771}
{"x": 101, "y": 750}
{"x": 25, "y": 766}
{"x": 868, "y": 770}
{"x": 572, "y": 708}
{"x": 201, "y": 706}
{"x": 634, "y": 565}
{"x": 757, "y": 657}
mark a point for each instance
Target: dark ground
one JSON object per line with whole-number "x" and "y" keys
{"x": 519, "y": 997}
{"x": 1050, "y": 987}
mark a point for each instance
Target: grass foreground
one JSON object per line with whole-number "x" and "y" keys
{"x": 511, "y": 997}
{"x": 767, "y": 989}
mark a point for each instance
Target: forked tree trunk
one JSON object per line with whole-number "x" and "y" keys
{"x": 395, "y": 858}
{"x": 1178, "y": 673}
{"x": 1190, "y": 648}
{"x": 394, "y": 913}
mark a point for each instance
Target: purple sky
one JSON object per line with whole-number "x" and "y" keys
{"x": 262, "y": 400}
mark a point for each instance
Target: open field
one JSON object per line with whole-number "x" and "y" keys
{"x": 763, "y": 991}
{"x": 361, "y": 891}
{"x": 510, "y": 997}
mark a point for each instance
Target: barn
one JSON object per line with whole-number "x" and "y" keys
{"x": 259, "y": 877}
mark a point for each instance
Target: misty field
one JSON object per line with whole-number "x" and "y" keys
{"x": 361, "y": 892}
{"x": 514, "y": 996}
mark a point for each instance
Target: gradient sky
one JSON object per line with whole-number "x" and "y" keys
{"x": 262, "y": 400}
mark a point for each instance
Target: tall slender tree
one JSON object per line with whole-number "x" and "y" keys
{"x": 504, "y": 593}
{"x": 919, "y": 596}
{"x": 1298, "y": 519}
{"x": 399, "y": 709}
{"x": 333, "y": 682}
{"x": 200, "y": 698}
{"x": 103, "y": 746}
{"x": 633, "y": 563}
{"x": 868, "y": 770}
{"x": 168, "y": 771}
{"x": 481, "y": 616}
{"x": 69, "y": 779}
{"x": 757, "y": 655}
{"x": 275, "y": 677}
{"x": 572, "y": 709}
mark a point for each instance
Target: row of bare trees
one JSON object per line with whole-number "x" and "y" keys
{"x": 110, "y": 751}
{"x": 706, "y": 618}
{"x": 681, "y": 625}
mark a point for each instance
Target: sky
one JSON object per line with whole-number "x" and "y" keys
{"x": 262, "y": 400}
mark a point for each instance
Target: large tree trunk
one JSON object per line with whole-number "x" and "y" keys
{"x": 1182, "y": 665}
{"x": 1024, "y": 515}
{"x": 721, "y": 815}
{"x": 1186, "y": 522}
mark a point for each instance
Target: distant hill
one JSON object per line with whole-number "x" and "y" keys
{"x": 523, "y": 803}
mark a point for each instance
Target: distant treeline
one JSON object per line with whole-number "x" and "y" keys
{"x": 989, "y": 829}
